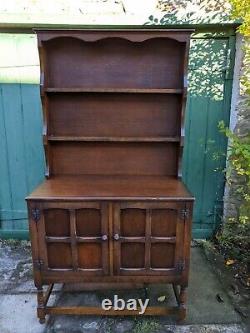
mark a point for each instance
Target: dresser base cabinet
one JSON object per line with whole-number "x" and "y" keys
{"x": 115, "y": 241}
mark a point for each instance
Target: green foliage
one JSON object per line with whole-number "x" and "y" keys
{"x": 234, "y": 242}
{"x": 241, "y": 9}
{"x": 234, "y": 238}
{"x": 239, "y": 151}
{"x": 239, "y": 147}
{"x": 239, "y": 162}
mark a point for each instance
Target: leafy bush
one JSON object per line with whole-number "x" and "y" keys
{"x": 234, "y": 242}
{"x": 234, "y": 238}
{"x": 239, "y": 162}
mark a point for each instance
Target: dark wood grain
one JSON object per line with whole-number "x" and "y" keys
{"x": 114, "y": 63}
{"x": 113, "y": 139}
{"x": 130, "y": 115}
{"x": 130, "y": 34}
{"x": 80, "y": 158}
{"x": 114, "y": 90}
{"x": 111, "y": 188}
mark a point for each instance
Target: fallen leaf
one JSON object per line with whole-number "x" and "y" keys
{"x": 230, "y": 262}
{"x": 161, "y": 298}
{"x": 219, "y": 298}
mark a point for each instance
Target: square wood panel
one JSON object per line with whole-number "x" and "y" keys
{"x": 57, "y": 222}
{"x": 163, "y": 222}
{"x": 89, "y": 255}
{"x": 133, "y": 222}
{"x": 88, "y": 222}
{"x": 59, "y": 256}
{"x": 132, "y": 255}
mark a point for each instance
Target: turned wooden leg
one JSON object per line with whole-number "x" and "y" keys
{"x": 182, "y": 304}
{"x": 40, "y": 305}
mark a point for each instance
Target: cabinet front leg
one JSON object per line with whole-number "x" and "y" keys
{"x": 40, "y": 305}
{"x": 182, "y": 303}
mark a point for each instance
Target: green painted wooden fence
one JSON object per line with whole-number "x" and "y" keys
{"x": 22, "y": 159}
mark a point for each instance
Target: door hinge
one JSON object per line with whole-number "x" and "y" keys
{"x": 35, "y": 214}
{"x": 180, "y": 266}
{"x": 38, "y": 264}
{"x": 184, "y": 214}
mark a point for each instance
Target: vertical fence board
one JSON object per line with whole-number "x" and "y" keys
{"x": 5, "y": 188}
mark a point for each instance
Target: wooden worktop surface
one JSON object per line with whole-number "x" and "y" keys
{"x": 111, "y": 188}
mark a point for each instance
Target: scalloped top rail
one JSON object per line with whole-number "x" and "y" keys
{"x": 138, "y": 35}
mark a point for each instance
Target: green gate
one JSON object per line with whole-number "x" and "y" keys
{"x": 22, "y": 167}
{"x": 210, "y": 84}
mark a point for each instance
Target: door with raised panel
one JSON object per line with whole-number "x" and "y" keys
{"x": 148, "y": 238}
{"x": 74, "y": 237}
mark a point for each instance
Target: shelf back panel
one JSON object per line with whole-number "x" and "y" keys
{"x": 114, "y": 63}
{"x": 76, "y": 158}
{"x": 113, "y": 100}
{"x": 115, "y": 115}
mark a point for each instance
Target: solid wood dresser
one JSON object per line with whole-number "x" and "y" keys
{"x": 113, "y": 207}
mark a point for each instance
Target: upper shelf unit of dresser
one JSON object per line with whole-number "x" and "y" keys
{"x": 113, "y": 61}
{"x": 113, "y": 93}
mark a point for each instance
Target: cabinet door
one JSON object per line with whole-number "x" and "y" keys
{"x": 149, "y": 238}
{"x": 74, "y": 237}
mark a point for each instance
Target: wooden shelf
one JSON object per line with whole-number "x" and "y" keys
{"x": 114, "y": 139}
{"x": 114, "y": 90}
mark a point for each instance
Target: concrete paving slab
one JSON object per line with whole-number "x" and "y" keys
{"x": 204, "y": 286}
{"x": 15, "y": 267}
{"x": 18, "y": 314}
{"x": 203, "y": 329}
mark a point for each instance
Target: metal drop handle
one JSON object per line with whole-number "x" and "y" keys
{"x": 116, "y": 237}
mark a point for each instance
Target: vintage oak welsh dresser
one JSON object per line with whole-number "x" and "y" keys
{"x": 113, "y": 207}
